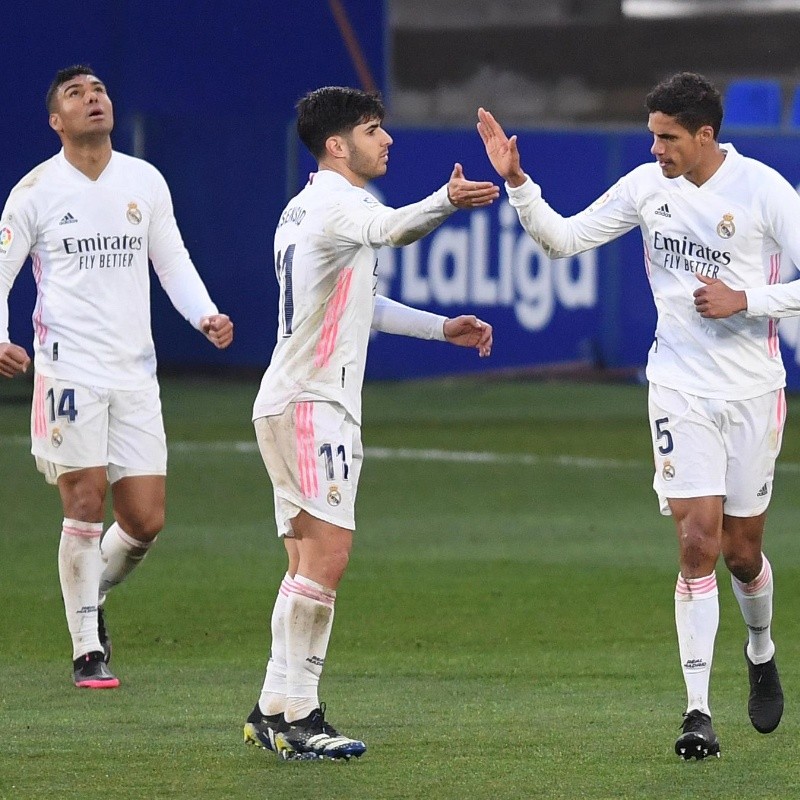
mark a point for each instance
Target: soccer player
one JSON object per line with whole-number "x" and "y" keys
{"x": 715, "y": 227}
{"x": 307, "y": 414}
{"x": 89, "y": 218}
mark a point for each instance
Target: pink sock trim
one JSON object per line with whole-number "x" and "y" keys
{"x": 306, "y": 588}
{"x": 696, "y": 588}
{"x": 759, "y": 582}
{"x": 76, "y": 527}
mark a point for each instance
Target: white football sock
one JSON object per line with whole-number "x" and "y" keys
{"x": 697, "y": 620}
{"x": 273, "y": 692}
{"x": 121, "y": 555}
{"x": 309, "y": 618}
{"x": 79, "y": 568}
{"x": 755, "y": 602}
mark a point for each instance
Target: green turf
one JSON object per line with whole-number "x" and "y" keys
{"x": 504, "y": 630}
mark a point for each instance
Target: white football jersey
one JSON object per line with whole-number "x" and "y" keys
{"x": 89, "y": 243}
{"x": 736, "y": 227}
{"x": 326, "y": 265}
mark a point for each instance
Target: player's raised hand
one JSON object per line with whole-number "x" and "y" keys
{"x": 13, "y": 360}
{"x": 469, "y": 331}
{"x": 470, "y": 194}
{"x": 502, "y": 151}
{"x": 716, "y": 300}
{"x": 218, "y": 329}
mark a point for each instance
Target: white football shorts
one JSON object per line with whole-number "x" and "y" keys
{"x": 75, "y": 426}
{"x": 704, "y": 447}
{"x": 313, "y": 455}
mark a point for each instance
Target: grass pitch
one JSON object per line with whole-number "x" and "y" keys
{"x": 505, "y": 629}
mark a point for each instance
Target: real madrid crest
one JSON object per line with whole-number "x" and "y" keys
{"x": 726, "y": 228}
{"x": 334, "y": 496}
{"x": 56, "y": 438}
{"x": 668, "y": 471}
{"x": 134, "y": 216}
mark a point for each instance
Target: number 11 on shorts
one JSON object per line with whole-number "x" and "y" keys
{"x": 326, "y": 451}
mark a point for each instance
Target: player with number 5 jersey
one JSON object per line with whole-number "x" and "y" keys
{"x": 715, "y": 227}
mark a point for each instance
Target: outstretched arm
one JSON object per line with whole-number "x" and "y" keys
{"x": 469, "y": 331}
{"x": 397, "y": 318}
{"x": 470, "y": 194}
{"x": 502, "y": 151}
{"x": 366, "y": 221}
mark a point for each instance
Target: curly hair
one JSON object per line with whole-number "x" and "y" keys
{"x": 334, "y": 110}
{"x": 690, "y": 98}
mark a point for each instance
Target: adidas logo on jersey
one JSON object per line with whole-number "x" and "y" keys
{"x": 663, "y": 211}
{"x": 67, "y": 219}
{"x": 763, "y": 491}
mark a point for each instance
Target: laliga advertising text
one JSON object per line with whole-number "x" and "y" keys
{"x": 462, "y": 266}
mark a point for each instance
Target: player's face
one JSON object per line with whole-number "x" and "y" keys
{"x": 677, "y": 151}
{"x": 368, "y": 150}
{"x": 83, "y": 109}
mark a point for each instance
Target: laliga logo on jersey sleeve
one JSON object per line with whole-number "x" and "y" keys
{"x": 6, "y": 237}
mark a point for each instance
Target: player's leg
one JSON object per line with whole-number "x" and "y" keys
{"x": 753, "y": 444}
{"x": 69, "y": 427}
{"x": 79, "y": 562}
{"x": 698, "y": 524}
{"x": 267, "y": 717}
{"x": 139, "y": 503}
{"x": 751, "y": 578}
{"x": 313, "y": 455}
{"x": 324, "y": 551}
{"x": 137, "y": 466}
{"x": 689, "y": 479}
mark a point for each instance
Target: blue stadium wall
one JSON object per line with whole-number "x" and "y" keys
{"x": 206, "y": 91}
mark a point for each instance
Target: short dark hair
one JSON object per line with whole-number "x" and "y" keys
{"x": 334, "y": 110}
{"x": 692, "y": 99}
{"x": 62, "y": 76}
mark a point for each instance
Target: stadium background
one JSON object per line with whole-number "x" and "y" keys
{"x": 506, "y": 628}
{"x": 206, "y": 93}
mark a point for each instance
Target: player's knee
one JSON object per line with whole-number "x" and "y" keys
{"x": 743, "y": 565}
{"x": 82, "y": 499}
{"x": 698, "y": 547}
{"x": 335, "y": 565}
{"x": 144, "y": 525}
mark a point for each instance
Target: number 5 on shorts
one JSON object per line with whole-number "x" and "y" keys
{"x": 663, "y": 433}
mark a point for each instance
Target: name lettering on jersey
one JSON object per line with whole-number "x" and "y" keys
{"x": 103, "y": 252}
{"x": 681, "y": 253}
{"x": 295, "y": 214}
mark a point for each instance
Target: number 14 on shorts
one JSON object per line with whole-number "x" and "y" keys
{"x": 64, "y": 407}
